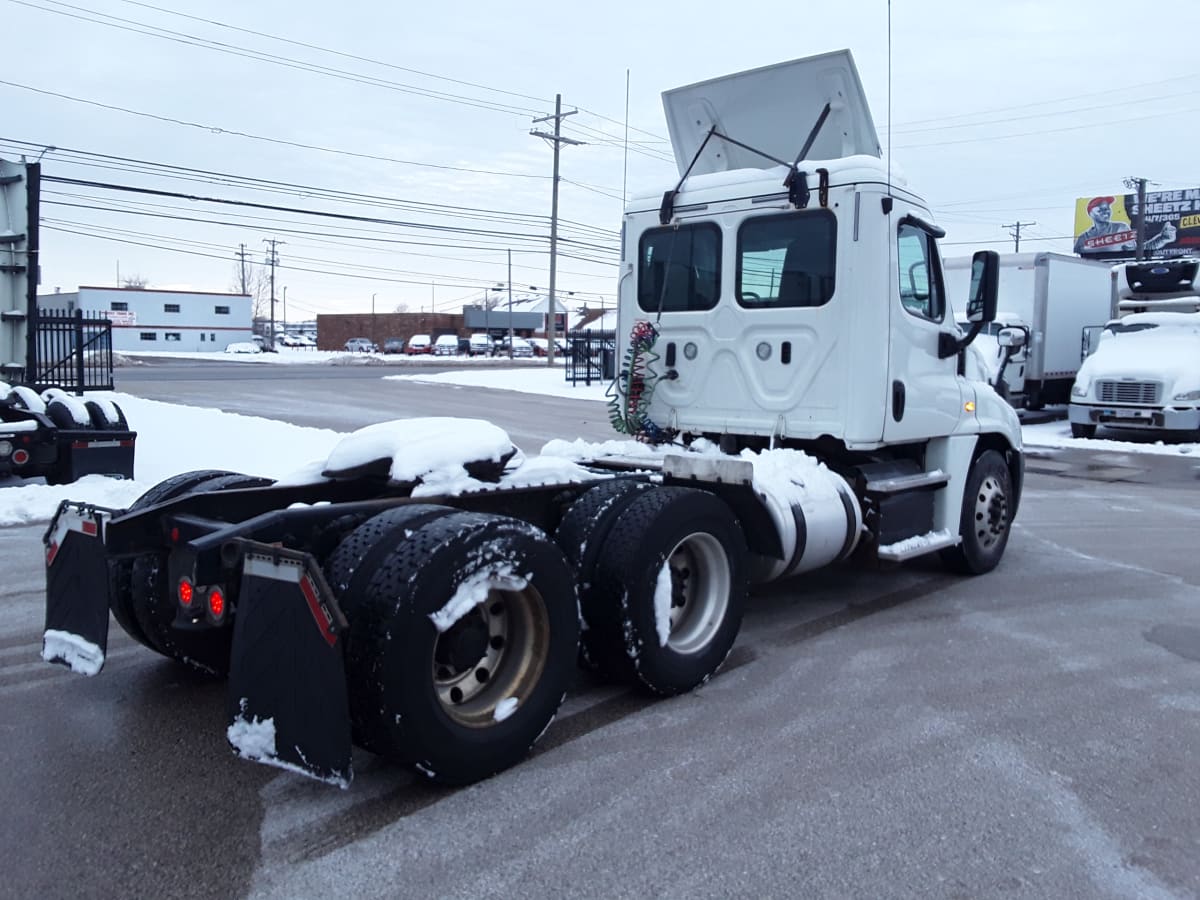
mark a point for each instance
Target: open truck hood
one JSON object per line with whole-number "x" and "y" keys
{"x": 772, "y": 109}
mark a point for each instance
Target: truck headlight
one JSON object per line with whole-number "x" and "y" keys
{"x": 1080, "y": 389}
{"x": 1188, "y": 395}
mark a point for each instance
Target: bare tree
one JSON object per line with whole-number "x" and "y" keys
{"x": 137, "y": 282}
{"x": 400, "y": 308}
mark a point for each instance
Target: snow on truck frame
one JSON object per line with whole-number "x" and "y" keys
{"x": 792, "y": 377}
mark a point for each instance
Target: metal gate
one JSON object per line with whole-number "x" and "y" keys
{"x": 591, "y": 356}
{"x": 70, "y": 350}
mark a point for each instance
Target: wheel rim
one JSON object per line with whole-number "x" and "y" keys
{"x": 493, "y": 655}
{"x": 697, "y": 581}
{"x": 991, "y": 512}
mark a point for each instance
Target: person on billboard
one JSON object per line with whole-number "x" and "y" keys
{"x": 1099, "y": 210}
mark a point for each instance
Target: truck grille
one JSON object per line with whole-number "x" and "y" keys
{"x": 1129, "y": 391}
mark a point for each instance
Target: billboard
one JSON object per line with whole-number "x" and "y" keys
{"x": 1106, "y": 225}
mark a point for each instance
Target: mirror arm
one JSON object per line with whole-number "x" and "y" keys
{"x": 949, "y": 345}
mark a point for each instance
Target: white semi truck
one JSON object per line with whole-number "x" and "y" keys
{"x": 1051, "y": 298}
{"x": 793, "y": 376}
{"x": 1144, "y": 372}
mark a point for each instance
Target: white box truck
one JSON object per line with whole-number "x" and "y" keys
{"x": 1053, "y": 298}
{"x": 1144, "y": 372}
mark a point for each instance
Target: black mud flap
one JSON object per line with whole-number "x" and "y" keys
{"x": 76, "y": 632}
{"x": 287, "y": 702}
{"x": 83, "y": 453}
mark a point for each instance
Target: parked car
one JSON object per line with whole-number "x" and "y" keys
{"x": 418, "y": 343}
{"x": 479, "y": 344}
{"x": 393, "y": 345}
{"x": 541, "y": 346}
{"x": 520, "y": 347}
{"x": 361, "y": 345}
{"x": 243, "y": 347}
{"x": 288, "y": 340}
{"x": 446, "y": 345}
{"x": 303, "y": 340}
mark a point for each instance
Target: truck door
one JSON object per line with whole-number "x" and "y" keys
{"x": 924, "y": 395}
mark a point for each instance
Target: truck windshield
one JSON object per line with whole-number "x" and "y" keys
{"x": 786, "y": 261}
{"x": 679, "y": 269}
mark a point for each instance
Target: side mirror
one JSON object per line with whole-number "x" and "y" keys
{"x": 1011, "y": 337}
{"x": 985, "y": 281}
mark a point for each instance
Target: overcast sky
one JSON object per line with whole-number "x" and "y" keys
{"x": 1002, "y": 112}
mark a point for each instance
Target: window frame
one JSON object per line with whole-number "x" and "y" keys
{"x": 171, "y": 308}
{"x": 148, "y": 336}
{"x": 933, "y": 266}
{"x": 220, "y": 310}
{"x": 694, "y": 227}
{"x": 795, "y": 216}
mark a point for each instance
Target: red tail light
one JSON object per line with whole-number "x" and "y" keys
{"x": 20, "y": 457}
{"x": 187, "y": 593}
{"x": 216, "y": 604}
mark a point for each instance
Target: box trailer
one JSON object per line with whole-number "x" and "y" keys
{"x": 1053, "y": 297}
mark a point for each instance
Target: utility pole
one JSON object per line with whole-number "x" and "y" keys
{"x": 1140, "y": 184}
{"x": 557, "y": 140}
{"x": 1016, "y": 233}
{"x": 510, "y": 331}
{"x": 272, "y": 261}
{"x": 243, "y": 256}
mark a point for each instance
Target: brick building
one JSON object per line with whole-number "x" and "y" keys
{"x": 334, "y": 330}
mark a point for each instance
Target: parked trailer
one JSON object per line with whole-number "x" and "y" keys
{"x": 61, "y": 438}
{"x": 428, "y": 595}
{"x": 1054, "y": 297}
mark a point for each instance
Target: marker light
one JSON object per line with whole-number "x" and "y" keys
{"x": 20, "y": 457}
{"x": 969, "y": 406}
{"x": 6, "y": 448}
{"x": 187, "y": 593}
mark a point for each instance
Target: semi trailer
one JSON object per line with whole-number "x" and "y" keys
{"x": 791, "y": 393}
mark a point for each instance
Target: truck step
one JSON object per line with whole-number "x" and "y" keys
{"x": 917, "y": 481}
{"x": 919, "y": 545}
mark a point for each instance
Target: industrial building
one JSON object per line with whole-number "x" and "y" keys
{"x": 147, "y": 319}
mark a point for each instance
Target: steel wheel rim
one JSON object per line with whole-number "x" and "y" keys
{"x": 518, "y": 639}
{"x": 700, "y": 587}
{"x": 991, "y": 512}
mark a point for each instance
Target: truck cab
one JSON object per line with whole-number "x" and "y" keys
{"x": 793, "y": 303}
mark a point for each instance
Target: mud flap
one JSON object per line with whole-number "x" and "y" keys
{"x": 287, "y": 703}
{"x": 76, "y": 633}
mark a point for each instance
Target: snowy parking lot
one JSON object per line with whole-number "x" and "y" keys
{"x": 875, "y": 732}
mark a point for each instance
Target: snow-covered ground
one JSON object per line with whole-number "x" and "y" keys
{"x": 173, "y": 439}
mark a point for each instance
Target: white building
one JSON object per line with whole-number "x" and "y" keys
{"x": 146, "y": 319}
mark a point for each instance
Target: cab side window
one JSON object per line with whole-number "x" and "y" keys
{"x": 920, "y": 278}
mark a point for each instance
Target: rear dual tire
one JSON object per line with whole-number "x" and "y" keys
{"x": 462, "y": 641}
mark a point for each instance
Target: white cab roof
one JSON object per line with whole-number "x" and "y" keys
{"x": 772, "y": 109}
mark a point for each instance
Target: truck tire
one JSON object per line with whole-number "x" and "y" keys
{"x": 60, "y": 414}
{"x": 120, "y": 572}
{"x": 106, "y": 417}
{"x": 467, "y": 701}
{"x": 580, "y": 536}
{"x": 153, "y": 605}
{"x": 1082, "y": 430}
{"x": 986, "y": 517}
{"x": 670, "y": 588}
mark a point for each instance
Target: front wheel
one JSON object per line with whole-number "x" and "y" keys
{"x": 986, "y": 518}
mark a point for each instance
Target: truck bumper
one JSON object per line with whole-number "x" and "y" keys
{"x": 1146, "y": 417}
